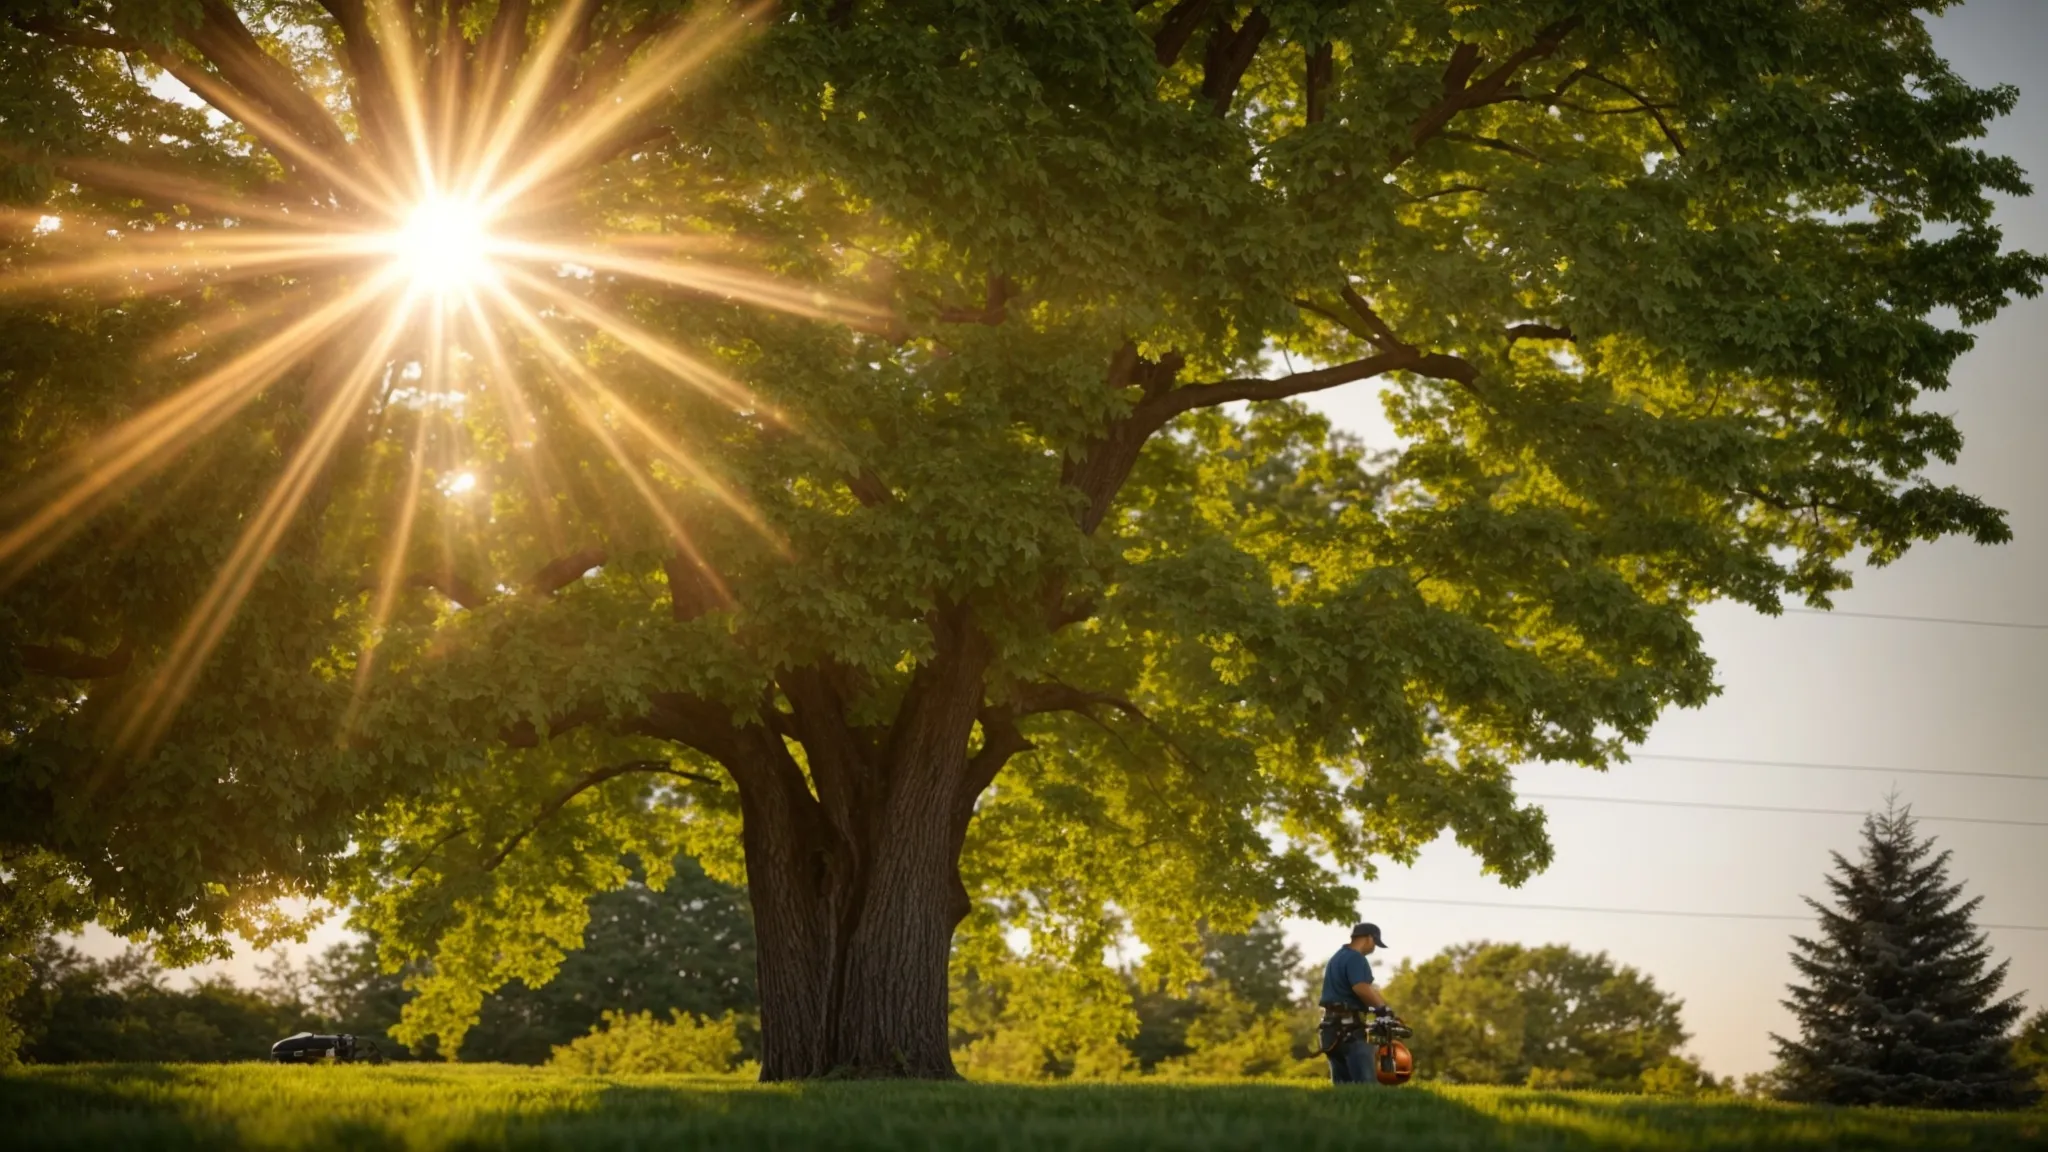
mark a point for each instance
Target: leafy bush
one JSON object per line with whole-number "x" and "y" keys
{"x": 635, "y": 1044}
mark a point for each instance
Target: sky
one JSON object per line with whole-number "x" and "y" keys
{"x": 1815, "y": 689}
{"x": 1802, "y": 688}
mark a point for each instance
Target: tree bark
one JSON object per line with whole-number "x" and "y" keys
{"x": 853, "y": 859}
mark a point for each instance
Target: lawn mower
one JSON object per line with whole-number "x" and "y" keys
{"x": 309, "y": 1048}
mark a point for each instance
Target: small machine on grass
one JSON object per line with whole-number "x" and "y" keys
{"x": 1392, "y": 1063}
{"x": 311, "y": 1048}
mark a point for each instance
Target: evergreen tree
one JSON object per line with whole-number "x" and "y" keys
{"x": 1899, "y": 1005}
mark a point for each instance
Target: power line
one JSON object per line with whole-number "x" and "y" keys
{"x": 1773, "y": 808}
{"x": 1690, "y": 915}
{"x": 1806, "y": 765}
{"x": 1922, "y": 619}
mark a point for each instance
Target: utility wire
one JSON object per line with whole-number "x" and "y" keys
{"x": 1644, "y": 911}
{"x": 1808, "y": 766}
{"x": 1772, "y": 808}
{"x": 1922, "y": 619}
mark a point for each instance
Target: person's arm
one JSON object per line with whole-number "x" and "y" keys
{"x": 1370, "y": 996}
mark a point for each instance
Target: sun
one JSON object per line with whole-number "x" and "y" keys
{"x": 445, "y": 246}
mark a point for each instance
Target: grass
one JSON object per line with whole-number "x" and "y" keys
{"x": 473, "y": 1107}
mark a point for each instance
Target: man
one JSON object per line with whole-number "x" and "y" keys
{"x": 1348, "y": 990}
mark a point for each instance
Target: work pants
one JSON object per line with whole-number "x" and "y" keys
{"x": 1351, "y": 1061}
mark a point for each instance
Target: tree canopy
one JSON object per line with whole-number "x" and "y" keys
{"x": 1547, "y": 1017}
{"x": 862, "y": 445}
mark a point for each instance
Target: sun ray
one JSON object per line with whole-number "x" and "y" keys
{"x": 667, "y": 61}
{"x": 690, "y": 370}
{"x": 716, "y": 280}
{"x": 154, "y": 709}
{"x": 284, "y": 140}
{"x": 114, "y": 463}
{"x": 570, "y": 368}
{"x": 389, "y": 579}
{"x": 535, "y": 77}
{"x": 519, "y": 411}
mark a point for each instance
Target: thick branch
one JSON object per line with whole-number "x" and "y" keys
{"x": 994, "y": 310}
{"x": 1177, "y": 29}
{"x": 693, "y": 589}
{"x": 589, "y": 781}
{"x": 1461, "y": 92}
{"x": 868, "y": 487}
{"x": 1001, "y": 740}
{"x": 559, "y": 573}
{"x": 49, "y": 660}
{"x": 375, "y": 98}
{"x": 1195, "y": 396}
{"x": 276, "y": 136}
{"x": 225, "y": 41}
{"x": 525, "y": 735}
{"x": 455, "y": 588}
{"x": 1322, "y": 69}
{"x": 1230, "y": 54}
{"x": 1538, "y": 332}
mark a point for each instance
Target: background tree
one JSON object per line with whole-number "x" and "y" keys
{"x": 80, "y": 1010}
{"x": 1547, "y": 1017}
{"x": 874, "y": 466}
{"x": 2030, "y": 1050}
{"x": 1898, "y": 1003}
{"x": 1245, "y": 1016}
{"x": 686, "y": 948}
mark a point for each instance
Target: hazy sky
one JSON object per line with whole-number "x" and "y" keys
{"x": 1817, "y": 689}
{"x": 1814, "y": 689}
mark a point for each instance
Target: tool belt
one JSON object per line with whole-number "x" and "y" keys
{"x": 1350, "y": 1023}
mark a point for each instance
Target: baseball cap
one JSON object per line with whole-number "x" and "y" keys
{"x": 1372, "y": 930}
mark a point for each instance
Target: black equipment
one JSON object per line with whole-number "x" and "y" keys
{"x": 1392, "y": 1062}
{"x": 308, "y": 1048}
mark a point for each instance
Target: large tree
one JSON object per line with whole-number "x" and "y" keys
{"x": 1898, "y": 1001}
{"x": 875, "y": 460}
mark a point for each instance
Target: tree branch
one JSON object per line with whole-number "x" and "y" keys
{"x": 1322, "y": 69}
{"x": 1460, "y": 92}
{"x": 1177, "y": 28}
{"x": 1646, "y": 104}
{"x": 592, "y": 780}
{"x": 225, "y": 41}
{"x": 1539, "y": 332}
{"x": 454, "y": 587}
{"x": 559, "y": 573}
{"x": 994, "y": 311}
{"x": 1230, "y": 54}
{"x": 375, "y": 98}
{"x": 1436, "y": 364}
{"x": 48, "y": 660}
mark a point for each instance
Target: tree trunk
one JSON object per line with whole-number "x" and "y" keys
{"x": 857, "y": 889}
{"x": 853, "y": 946}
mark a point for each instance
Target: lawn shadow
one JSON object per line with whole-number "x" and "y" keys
{"x": 138, "y": 1107}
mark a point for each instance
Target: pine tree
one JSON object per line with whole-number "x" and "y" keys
{"x": 1900, "y": 1001}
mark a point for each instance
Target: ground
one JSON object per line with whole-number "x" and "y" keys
{"x": 475, "y": 1107}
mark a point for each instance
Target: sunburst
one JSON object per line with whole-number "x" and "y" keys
{"x": 431, "y": 240}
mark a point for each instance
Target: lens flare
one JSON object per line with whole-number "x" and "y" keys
{"x": 413, "y": 283}
{"x": 445, "y": 247}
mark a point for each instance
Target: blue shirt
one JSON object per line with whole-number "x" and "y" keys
{"x": 1346, "y": 968}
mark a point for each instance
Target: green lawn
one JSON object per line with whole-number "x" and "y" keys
{"x": 148, "y": 1106}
